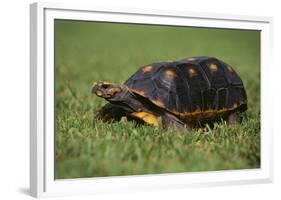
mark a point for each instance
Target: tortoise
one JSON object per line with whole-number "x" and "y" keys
{"x": 183, "y": 94}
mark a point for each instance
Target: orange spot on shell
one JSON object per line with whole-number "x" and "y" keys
{"x": 170, "y": 74}
{"x": 192, "y": 72}
{"x": 213, "y": 67}
{"x": 147, "y": 69}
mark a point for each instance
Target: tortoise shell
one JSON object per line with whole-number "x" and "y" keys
{"x": 195, "y": 88}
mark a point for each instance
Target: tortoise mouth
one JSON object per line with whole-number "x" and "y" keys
{"x": 105, "y": 89}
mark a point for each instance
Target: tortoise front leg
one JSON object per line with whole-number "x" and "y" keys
{"x": 110, "y": 113}
{"x": 170, "y": 121}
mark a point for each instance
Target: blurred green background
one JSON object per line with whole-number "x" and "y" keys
{"x": 89, "y": 51}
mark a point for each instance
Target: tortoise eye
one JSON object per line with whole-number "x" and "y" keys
{"x": 105, "y": 86}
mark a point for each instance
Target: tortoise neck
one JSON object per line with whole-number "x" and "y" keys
{"x": 127, "y": 99}
{"x": 127, "y": 93}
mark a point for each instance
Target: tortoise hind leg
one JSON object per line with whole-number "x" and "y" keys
{"x": 233, "y": 118}
{"x": 110, "y": 113}
{"x": 169, "y": 121}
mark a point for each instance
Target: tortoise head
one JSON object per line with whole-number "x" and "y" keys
{"x": 107, "y": 90}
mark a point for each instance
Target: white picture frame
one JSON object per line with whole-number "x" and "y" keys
{"x": 42, "y": 181}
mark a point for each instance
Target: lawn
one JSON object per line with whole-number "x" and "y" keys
{"x": 89, "y": 51}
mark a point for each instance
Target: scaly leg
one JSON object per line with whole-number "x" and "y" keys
{"x": 110, "y": 113}
{"x": 169, "y": 121}
{"x": 233, "y": 118}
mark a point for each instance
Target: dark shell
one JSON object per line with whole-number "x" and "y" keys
{"x": 199, "y": 86}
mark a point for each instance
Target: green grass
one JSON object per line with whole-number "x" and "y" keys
{"x": 90, "y": 51}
